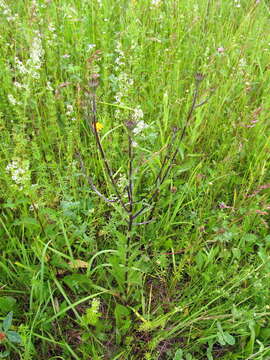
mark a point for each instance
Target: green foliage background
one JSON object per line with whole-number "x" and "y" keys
{"x": 197, "y": 283}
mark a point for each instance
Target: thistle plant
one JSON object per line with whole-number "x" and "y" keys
{"x": 135, "y": 212}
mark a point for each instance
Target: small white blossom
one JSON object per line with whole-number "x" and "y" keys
{"x": 20, "y": 66}
{"x": 11, "y": 99}
{"x": 19, "y": 171}
{"x": 51, "y": 28}
{"x": 242, "y": 62}
{"x": 141, "y": 125}
{"x": 155, "y": 2}
{"x": 49, "y": 86}
{"x": 18, "y": 85}
{"x": 90, "y": 47}
{"x": 237, "y": 3}
{"x": 36, "y": 52}
{"x": 69, "y": 109}
{"x": 7, "y": 12}
{"x": 32, "y": 207}
{"x": 137, "y": 114}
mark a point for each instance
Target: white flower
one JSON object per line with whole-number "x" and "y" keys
{"x": 20, "y": 66}
{"x": 19, "y": 171}
{"x": 11, "y": 99}
{"x": 237, "y": 3}
{"x": 65, "y": 56}
{"x": 155, "y": 2}
{"x": 69, "y": 109}
{"x": 49, "y": 86}
{"x": 17, "y": 85}
{"x": 51, "y": 28}
{"x": 242, "y": 62}
{"x": 32, "y": 207}
{"x": 36, "y": 52}
{"x": 141, "y": 125}
{"x": 137, "y": 114}
{"x": 90, "y": 47}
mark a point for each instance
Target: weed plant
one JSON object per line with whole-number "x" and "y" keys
{"x": 134, "y": 201}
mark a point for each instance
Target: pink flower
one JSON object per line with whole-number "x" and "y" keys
{"x": 220, "y": 50}
{"x": 222, "y": 205}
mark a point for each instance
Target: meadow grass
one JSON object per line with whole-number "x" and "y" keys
{"x": 193, "y": 283}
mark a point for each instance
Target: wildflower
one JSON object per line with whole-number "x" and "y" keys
{"x": 138, "y": 114}
{"x": 222, "y": 205}
{"x": 19, "y": 171}
{"x": 155, "y": 2}
{"x": 242, "y": 62}
{"x": 37, "y": 52}
{"x": 69, "y": 109}
{"x": 35, "y": 60}
{"x": 17, "y": 85}
{"x": 49, "y": 86}
{"x": 99, "y": 126}
{"x": 20, "y": 66}
{"x": 33, "y": 207}
{"x": 11, "y": 99}
{"x": 51, "y": 28}
{"x": 220, "y": 50}
{"x": 2, "y": 336}
{"x": 141, "y": 125}
{"x": 199, "y": 76}
{"x": 90, "y": 47}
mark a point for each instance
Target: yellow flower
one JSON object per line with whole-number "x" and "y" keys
{"x": 99, "y": 126}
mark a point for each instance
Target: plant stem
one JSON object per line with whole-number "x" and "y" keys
{"x": 130, "y": 220}
{"x": 103, "y": 156}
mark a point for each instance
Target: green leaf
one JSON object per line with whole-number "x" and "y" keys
{"x": 14, "y": 337}
{"x": 27, "y": 221}
{"x": 221, "y": 339}
{"x": 4, "y": 354}
{"x": 7, "y": 303}
{"x": 7, "y": 321}
{"x": 229, "y": 338}
{"x": 178, "y": 355}
{"x": 122, "y": 317}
